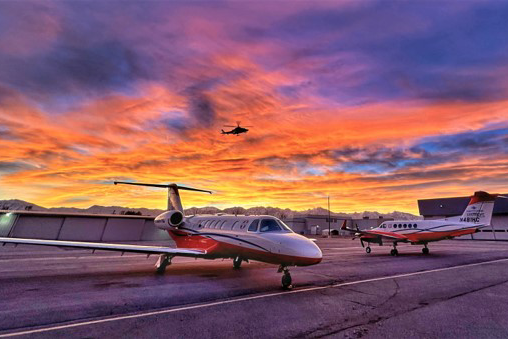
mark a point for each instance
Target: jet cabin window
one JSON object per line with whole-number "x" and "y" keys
{"x": 254, "y": 226}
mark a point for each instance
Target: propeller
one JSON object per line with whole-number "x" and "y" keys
{"x": 237, "y": 125}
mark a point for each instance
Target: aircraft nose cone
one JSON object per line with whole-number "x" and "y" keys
{"x": 309, "y": 252}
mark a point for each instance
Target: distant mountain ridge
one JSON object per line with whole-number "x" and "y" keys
{"x": 286, "y": 213}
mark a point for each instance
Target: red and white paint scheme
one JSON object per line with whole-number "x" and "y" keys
{"x": 477, "y": 214}
{"x": 241, "y": 238}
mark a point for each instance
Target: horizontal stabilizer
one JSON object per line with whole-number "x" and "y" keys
{"x": 162, "y": 186}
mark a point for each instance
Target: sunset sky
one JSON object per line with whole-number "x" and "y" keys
{"x": 375, "y": 103}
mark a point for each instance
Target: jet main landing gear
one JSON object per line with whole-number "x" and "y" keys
{"x": 286, "y": 277}
{"x": 162, "y": 263}
{"x": 237, "y": 262}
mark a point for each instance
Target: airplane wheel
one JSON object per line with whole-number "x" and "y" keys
{"x": 394, "y": 252}
{"x": 286, "y": 281}
{"x": 425, "y": 250}
{"x": 237, "y": 263}
{"x": 367, "y": 249}
{"x": 161, "y": 268}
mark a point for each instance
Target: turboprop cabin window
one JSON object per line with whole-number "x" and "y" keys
{"x": 269, "y": 225}
{"x": 254, "y": 226}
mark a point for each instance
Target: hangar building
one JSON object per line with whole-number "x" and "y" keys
{"x": 117, "y": 227}
{"x": 447, "y": 207}
{"x": 318, "y": 224}
{"x": 79, "y": 227}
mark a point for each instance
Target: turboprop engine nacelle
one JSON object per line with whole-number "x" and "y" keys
{"x": 169, "y": 219}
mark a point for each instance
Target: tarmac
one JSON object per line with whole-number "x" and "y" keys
{"x": 460, "y": 290}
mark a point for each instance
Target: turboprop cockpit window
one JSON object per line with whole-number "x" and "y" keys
{"x": 269, "y": 225}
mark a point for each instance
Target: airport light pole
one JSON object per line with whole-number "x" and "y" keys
{"x": 329, "y": 220}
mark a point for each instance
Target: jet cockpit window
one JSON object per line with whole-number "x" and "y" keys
{"x": 270, "y": 225}
{"x": 284, "y": 226}
{"x": 254, "y": 226}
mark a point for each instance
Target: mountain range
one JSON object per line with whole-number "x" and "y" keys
{"x": 286, "y": 213}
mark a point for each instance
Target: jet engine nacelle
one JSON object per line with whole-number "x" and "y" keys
{"x": 169, "y": 219}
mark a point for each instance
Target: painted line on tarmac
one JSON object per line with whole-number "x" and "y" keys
{"x": 236, "y": 300}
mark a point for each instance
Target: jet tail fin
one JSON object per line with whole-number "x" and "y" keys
{"x": 174, "y": 201}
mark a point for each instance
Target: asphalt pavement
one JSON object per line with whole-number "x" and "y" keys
{"x": 459, "y": 290}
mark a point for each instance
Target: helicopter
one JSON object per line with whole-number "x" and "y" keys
{"x": 236, "y": 130}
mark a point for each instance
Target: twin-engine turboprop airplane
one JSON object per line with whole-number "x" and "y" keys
{"x": 242, "y": 238}
{"x": 477, "y": 214}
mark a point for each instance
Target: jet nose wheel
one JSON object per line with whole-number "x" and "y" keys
{"x": 286, "y": 278}
{"x": 425, "y": 250}
{"x": 286, "y": 281}
{"x": 367, "y": 249}
{"x": 394, "y": 252}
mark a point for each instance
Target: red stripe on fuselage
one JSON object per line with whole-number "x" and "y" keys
{"x": 422, "y": 236}
{"x": 216, "y": 249}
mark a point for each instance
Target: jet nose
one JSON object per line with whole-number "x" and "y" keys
{"x": 310, "y": 253}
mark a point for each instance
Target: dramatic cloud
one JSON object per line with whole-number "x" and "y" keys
{"x": 374, "y": 103}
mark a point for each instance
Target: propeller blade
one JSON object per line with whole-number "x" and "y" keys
{"x": 361, "y": 241}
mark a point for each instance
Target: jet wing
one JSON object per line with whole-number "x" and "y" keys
{"x": 108, "y": 247}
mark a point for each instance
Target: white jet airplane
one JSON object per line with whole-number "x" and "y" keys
{"x": 477, "y": 214}
{"x": 242, "y": 238}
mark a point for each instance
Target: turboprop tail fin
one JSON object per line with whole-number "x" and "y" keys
{"x": 480, "y": 207}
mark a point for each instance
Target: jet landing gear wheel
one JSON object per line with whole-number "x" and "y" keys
{"x": 237, "y": 262}
{"x": 425, "y": 250}
{"x": 162, "y": 263}
{"x": 367, "y": 249}
{"x": 286, "y": 278}
{"x": 394, "y": 252}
